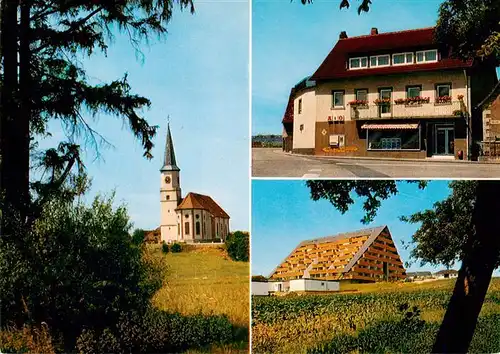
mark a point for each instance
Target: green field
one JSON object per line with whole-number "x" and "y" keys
{"x": 205, "y": 280}
{"x": 375, "y": 318}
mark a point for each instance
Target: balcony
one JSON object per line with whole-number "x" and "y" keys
{"x": 392, "y": 110}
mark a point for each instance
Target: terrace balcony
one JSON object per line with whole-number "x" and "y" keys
{"x": 415, "y": 110}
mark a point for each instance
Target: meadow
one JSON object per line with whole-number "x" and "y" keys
{"x": 205, "y": 280}
{"x": 375, "y": 318}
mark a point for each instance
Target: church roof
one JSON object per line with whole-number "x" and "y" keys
{"x": 169, "y": 163}
{"x": 200, "y": 201}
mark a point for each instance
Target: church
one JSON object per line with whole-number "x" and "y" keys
{"x": 195, "y": 218}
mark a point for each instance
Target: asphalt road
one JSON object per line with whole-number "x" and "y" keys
{"x": 275, "y": 163}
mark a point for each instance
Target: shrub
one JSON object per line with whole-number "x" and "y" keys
{"x": 157, "y": 332}
{"x": 259, "y": 278}
{"x": 237, "y": 245}
{"x": 176, "y": 248}
{"x": 76, "y": 268}
{"x": 138, "y": 236}
{"x": 164, "y": 247}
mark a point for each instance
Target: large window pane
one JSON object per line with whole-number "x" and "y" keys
{"x": 393, "y": 139}
{"x": 383, "y": 60}
{"x": 364, "y": 62}
{"x": 420, "y": 57}
{"x": 413, "y": 91}
{"x": 431, "y": 55}
{"x": 443, "y": 90}
{"x": 338, "y": 99}
{"x": 373, "y": 61}
{"x": 354, "y": 63}
{"x": 362, "y": 95}
{"x": 399, "y": 59}
{"x": 409, "y": 58}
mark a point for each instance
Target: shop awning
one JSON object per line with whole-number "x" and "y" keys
{"x": 401, "y": 126}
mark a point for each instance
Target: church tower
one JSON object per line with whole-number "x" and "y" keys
{"x": 170, "y": 192}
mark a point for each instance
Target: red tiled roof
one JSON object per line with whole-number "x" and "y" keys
{"x": 200, "y": 201}
{"x": 334, "y": 65}
{"x": 288, "y": 116}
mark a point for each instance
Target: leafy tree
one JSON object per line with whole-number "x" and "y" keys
{"x": 138, "y": 236}
{"x": 81, "y": 270}
{"x": 43, "y": 79}
{"x": 479, "y": 252}
{"x": 237, "y": 244}
{"x": 258, "y": 278}
{"x": 470, "y": 28}
{"x": 363, "y": 7}
{"x": 452, "y": 220}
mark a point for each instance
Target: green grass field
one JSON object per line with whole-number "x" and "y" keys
{"x": 372, "y": 318}
{"x": 205, "y": 280}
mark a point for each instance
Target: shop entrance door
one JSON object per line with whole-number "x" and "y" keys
{"x": 444, "y": 140}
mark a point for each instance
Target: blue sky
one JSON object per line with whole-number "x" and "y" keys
{"x": 291, "y": 40}
{"x": 198, "y": 76}
{"x": 283, "y": 215}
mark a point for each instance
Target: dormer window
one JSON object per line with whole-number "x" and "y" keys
{"x": 402, "y": 59}
{"x": 358, "y": 63}
{"x": 380, "y": 60}
{"x": 427, "y": 56}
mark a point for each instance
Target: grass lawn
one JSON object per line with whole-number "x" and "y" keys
{"x": 205, "y": 280}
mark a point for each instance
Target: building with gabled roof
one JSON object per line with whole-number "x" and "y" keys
{"x": 192, "y": 219}
{"x": 396, "y": 94}
{"x": 367, "y": 255}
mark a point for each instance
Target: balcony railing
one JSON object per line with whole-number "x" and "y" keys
{"x": 392, "y": 110}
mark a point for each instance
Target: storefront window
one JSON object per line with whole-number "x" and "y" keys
{"x": 393, "y": 139}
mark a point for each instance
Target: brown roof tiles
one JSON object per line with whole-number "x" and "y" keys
{"x": 200, "y": 201}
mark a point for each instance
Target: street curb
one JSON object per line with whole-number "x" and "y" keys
{"x": 387, "y": 159}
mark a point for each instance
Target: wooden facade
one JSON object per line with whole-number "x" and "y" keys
{"x": 368, "y": 255}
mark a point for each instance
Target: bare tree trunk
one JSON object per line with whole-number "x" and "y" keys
{"x": 25, "y": 95}
{"x": 459, "y": 323}
{"x": 9, "y": 107}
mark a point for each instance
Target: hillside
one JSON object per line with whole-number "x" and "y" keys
{"x": 205, "y": 280}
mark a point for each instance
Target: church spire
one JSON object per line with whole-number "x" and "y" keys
{"x": 169, "y": 163}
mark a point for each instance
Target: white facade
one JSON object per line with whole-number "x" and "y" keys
{"x": 260, "y": 288}
{"x": 303, "y": 285}
{"x": 170, "y": 196}
{"x": 313, "y": 285}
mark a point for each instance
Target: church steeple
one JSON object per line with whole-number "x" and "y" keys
{"x": 169, "y": 163}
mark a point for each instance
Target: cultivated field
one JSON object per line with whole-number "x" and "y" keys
{"x": 377, "y": 318}
{"x": 205, "y": 280}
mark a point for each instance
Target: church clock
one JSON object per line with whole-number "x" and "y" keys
{"x": 167, "y": 179}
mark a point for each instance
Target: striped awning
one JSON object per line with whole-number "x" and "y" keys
{"x": 401, "y": 126}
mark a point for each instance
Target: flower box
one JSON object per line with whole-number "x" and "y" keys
{"x": 443, "y": 99}
{"x": 417, "y": 100}
{"x": 382, "y": 101}
{"x": 357, "y": 103}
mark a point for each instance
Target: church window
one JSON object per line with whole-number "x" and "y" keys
{"x": 168, "y": 197}
{"x": 197, "y": 216}
{"x": 197, "y": 227}
{"x": 187, "y": 216}
{"x": 186, "y": 228}
{"x": 178, "y": 229}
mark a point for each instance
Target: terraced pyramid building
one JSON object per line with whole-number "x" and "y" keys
{"x": 367, "y": 255}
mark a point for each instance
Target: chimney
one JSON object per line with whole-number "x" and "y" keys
{"x": 343, "y": 35}
{"x": 374, "y": 31}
